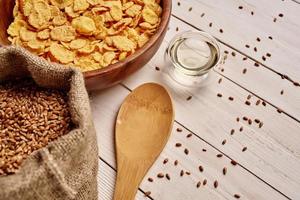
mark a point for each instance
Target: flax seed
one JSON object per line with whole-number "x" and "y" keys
{"x": 147, "y": 194}
{"x": 264, "y": 58}
{"x": 181, "y": 173}
{"x": 216, "y": 184}
{"x": 281, "y": 92}
{"x": 258, "y": 39}
{"x": 219, "y": 155}
{"x": 221, "y": 30}
{"x": 247, "y": 46}
{"x": 150, "y": 179}
{"x": 202, "y": 15}
{"x": 186, "y": 151}
{"x": 177, "y": 29}
{"x": 190, "y": 9}
{"x": 232, "y": 132}
{"x": 204, "y": 182}
{"x": 178, "y": 3}
{"x": 226, "y": 52}
{"x": 219, "y": 95}
{"x": 179, "y": 130}
{"x": 270, "y": 37}
{"x": 188, "y": 173}
{"x": 224, "y": 171}
{"x": 274, "y": 19}
{"x": 233, "y": 162}
{"x": 280, "y": 15}
{"x": 296, "y": 84}
{"x": 176, "y": 162}
{"x": 198, "y": 184}
{"x": 165, "y": 161}
{"x": 189, "y": 98}
{"x": 260, "y": 124}
{"x": 255, "y": 49}
{"x": 252, "y": 13}
{"x": 245, "y": 58}
{"x": 237, "y": 196}
{"x": 249, "y": 121}
{"x": 268, "y": 54}
{"x": 256, "y": 64}
{"x": 257, "y": 121}
{"x": 220, "y": 80}
{"x": 244, "y": 71}
{"x": 210, "y": 24}
{"x": 244, "y": 149}
{"x": 249, "y": 97}
{"x": 240, "y": 7}
{"x": 264, "y": 103}
{"x": 201, "y": 169}
{"x": 247, "y": 103}
{"x": 237, "y": 119}
{"x": 224, "y": 142}
{"x": 157, "y": 68}
{"x": 178, "y": 145}
{"x": 233, "y": 53}
{"x": 279, "y": 110}
{"x": 160, "y": 175}
{"x": 204, "y": 150}
{"x": 168, "y": 176}
{"x": 241, "y": 128}
{"x": 257, "y": 102}
{"x": 189, "y": 135}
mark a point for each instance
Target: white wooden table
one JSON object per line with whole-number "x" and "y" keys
{"x": 267, "y": 155}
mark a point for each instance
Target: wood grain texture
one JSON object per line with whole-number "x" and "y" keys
{"x": 142, "y": 130}
{"x": 106, "y": 178}
{"x": 241, "y": 28}
{"x": 113, "y": 74}
{"x": 258, "y": 80}
{"x": 237, "y": 180}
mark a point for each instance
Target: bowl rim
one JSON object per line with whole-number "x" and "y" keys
{"x": 166, "y": 13}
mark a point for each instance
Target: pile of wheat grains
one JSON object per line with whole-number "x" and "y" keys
{"x": 30, "y": 118}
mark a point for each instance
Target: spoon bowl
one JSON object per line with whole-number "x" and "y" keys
{"x": 143, "y": 128}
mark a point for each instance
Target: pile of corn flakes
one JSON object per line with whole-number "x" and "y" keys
{"x": 89, "y": 34}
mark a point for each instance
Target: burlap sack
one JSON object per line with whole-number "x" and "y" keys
{"x": 66, "y": 168}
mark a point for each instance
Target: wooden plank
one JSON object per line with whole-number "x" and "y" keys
{"x": 274, "y": 156}
{"x": 258, "y": 80}
{"x": 237, "y": 181}
{"x": 241, "y": 28}
{"x": 106, "y": 180}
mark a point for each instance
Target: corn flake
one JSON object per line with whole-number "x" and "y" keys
{"x": 149, "y": 16}
{"x": 80, "y": 5}
{"x": 61, "y": 54}
{"x": 61, "y": 3}
{"x": 84, "y": 25}
{"x": 133, "y": 10}
{"x": 78, "y": 44}
{"x": 44, "y": 34}
{"x": 26, "y": 35}
{"x": 123, "y": 43}
{"x": 63, "y": 33}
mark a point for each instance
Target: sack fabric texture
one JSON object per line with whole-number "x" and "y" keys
{"x": 67, "y": 167}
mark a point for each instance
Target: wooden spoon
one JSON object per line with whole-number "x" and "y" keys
{"x": 142, "y": 129}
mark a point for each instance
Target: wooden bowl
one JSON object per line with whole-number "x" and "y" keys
{"x": 112, "y": 74}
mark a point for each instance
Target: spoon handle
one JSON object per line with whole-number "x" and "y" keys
{"x": 129, "y": 177}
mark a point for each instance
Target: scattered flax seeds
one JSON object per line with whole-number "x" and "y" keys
{"x": 258, "y": 39}
{"x": 198, "y": 184}
{"x": 237, "y": 119}
{"x": 178, "y": 3}
{"x": 270, "y": 37}
{"x": 252, "y": 13}
{"x": 233, "y": 53}
{"x": 244, "y": 149}
{"x": 245, "y": 118}
{"x": 147, "y": 194}
{"x": 263, "y": 58}
{"x": 296, "y": 84}
{"x": 255, "y": 49}
{"x": 216, "y": 184}
{"x": 219, "y": 95}
{"x": 189, "y": 135}
{"x": 201, "y": 169}
{"x": 168, "y": 176}
{"x": 224, "y": 142}
{"x": 232, "y": 132}
{"x": 179, "y": 130}
{"x": 279, "y": 110}
{"x": 240, "y": 7}
{"x": 245, "y": 58}
{"x": 165, "y": 161}
{"x": 160, "y": 175}
{"x": 150, "y": 179}
{"x": 256, "y": 64}
{"x": 241, "y": 129}
{"x": 249, "y": 97}
{"x": 256, "y": 120}
{"x": 190, "y": 9}
{"x": 157, "y": 68}
{"x": 178, "y": 145}
{"x": 186, "y": 151}
{"x": 204, "y": 150}
{"x": 257, "y": 102}
{"x": 177, "y": 29}
{"x": 226, "y": 52}
{"x": 264, "y": 103}
{"x": 210, "y": 24}
{"x": 247, "y": 103}
{"x": 275, "y": 19}
{"x": 249, "y": 121}
{"x": 221, "y": 30}
{"x": 230, "y": 98}
{"x": 189, "y": 98}
{"x": 281, "y": 92}
{"x": 268, "y": 54}
{"x": 219, "y": 155}
{"x": 175, "y": 162}
{"x": 188, "y": 173}
{"x": 280, "y": 15}
{"x": 181, "y": 173}
{"x": 244, "y": 71}
{"x": 260, "y": 124}
{"x": 204, "y": 182}
{"x": 233, "y": 162}
{"x": 202, "y": 15}
{"x": 224, "y": 171}
{"x": 220, "y": 80}
{"x": 237, "y": 196}
{"x": 247, "y": 46}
